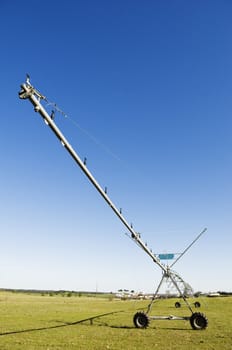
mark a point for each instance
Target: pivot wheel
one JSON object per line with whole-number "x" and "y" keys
{"x": 177, "y": 304}
{"x": 198, "y": 321}
{"x": 141, "y": 320}
{"x": 197, "y": 304}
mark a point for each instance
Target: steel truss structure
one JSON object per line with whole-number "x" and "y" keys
{"x": 141, "y": 319}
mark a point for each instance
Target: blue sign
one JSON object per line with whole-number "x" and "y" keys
{"x": 166, "y": 256}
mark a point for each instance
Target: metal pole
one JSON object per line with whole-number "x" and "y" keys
{"x": 189, "y": 246}
{"x": 29, "y": 92}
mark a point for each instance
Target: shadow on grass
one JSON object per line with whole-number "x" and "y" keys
{"x": 64, "y": 324}
{"x": 90, "y": 319}
{"x": 150, "y": 327}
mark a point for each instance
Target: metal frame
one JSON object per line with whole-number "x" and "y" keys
{"x": 185, "y": 288}
{"x": 35, "y": 97}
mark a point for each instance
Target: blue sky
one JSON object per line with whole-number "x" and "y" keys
{"x": 147, "y": 89}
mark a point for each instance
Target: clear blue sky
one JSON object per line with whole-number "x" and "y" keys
{"x": 151, "y": 81}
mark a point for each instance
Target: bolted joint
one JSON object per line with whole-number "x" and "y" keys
{"x": 23, "y": 94}
{"x": 37, "y": 108}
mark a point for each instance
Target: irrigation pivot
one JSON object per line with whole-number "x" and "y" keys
{"x": 184, "y": 287}
{"x": 141, "y": 319}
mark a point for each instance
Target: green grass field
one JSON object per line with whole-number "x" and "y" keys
{"x": 55, "y": 322}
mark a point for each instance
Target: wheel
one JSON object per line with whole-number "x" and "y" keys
{"x": 198, "y": 321}
{"x": 177, "y": 304}
{"x": 197, "y": 304}
{"x": 141, "y": 320}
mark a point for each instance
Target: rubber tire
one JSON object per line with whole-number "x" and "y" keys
{"x": 177, "y": 305}
{"x": 141, "y": 320}
{"x": 197, "y": 304}
{"x": 198, "y": 321}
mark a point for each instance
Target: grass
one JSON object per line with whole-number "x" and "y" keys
{"x": 43, "y": 322}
